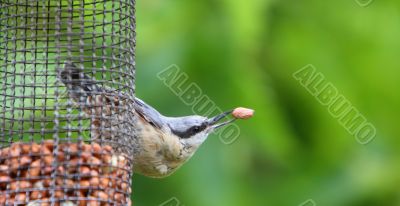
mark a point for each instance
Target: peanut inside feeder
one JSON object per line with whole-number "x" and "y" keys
{"x": 67, "y": 174}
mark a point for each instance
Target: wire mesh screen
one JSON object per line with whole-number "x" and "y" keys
{"x": 67, "y": 85}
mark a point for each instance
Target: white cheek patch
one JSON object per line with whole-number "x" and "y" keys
{"x": 197, "y": 140}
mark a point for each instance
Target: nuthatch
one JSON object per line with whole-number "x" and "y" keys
{"x": 161, "y": 144}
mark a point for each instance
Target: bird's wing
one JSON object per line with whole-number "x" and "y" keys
{"x": 148, "y": 113}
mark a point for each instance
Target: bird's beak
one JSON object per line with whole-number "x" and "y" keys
{"x": 213, "y": 122}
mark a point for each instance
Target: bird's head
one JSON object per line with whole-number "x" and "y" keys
{"x": 194, "y": 130}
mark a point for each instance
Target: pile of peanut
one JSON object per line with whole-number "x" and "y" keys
{"x": 67, "y": 174}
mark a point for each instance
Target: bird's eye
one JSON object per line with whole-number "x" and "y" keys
{"x": 196, "y": 129}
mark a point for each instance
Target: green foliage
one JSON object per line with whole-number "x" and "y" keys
{"x": 244, "y": 53}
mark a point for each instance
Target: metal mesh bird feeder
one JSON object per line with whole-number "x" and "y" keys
{"x": 67, "y": 71}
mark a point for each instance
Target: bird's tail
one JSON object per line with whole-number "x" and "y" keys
{"x": 96, "y": 102}
{"x": 79, "y": 85}
{"x": 87, "y": 93}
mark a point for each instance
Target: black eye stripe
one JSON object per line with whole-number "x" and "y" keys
{"x": 196, "y": 129}
{"x": 191, "y": 131}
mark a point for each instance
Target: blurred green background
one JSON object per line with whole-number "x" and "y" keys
{"x": 244, "y": 54}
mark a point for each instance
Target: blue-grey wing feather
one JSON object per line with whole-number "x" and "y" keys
{"x": 147, "y": 112}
